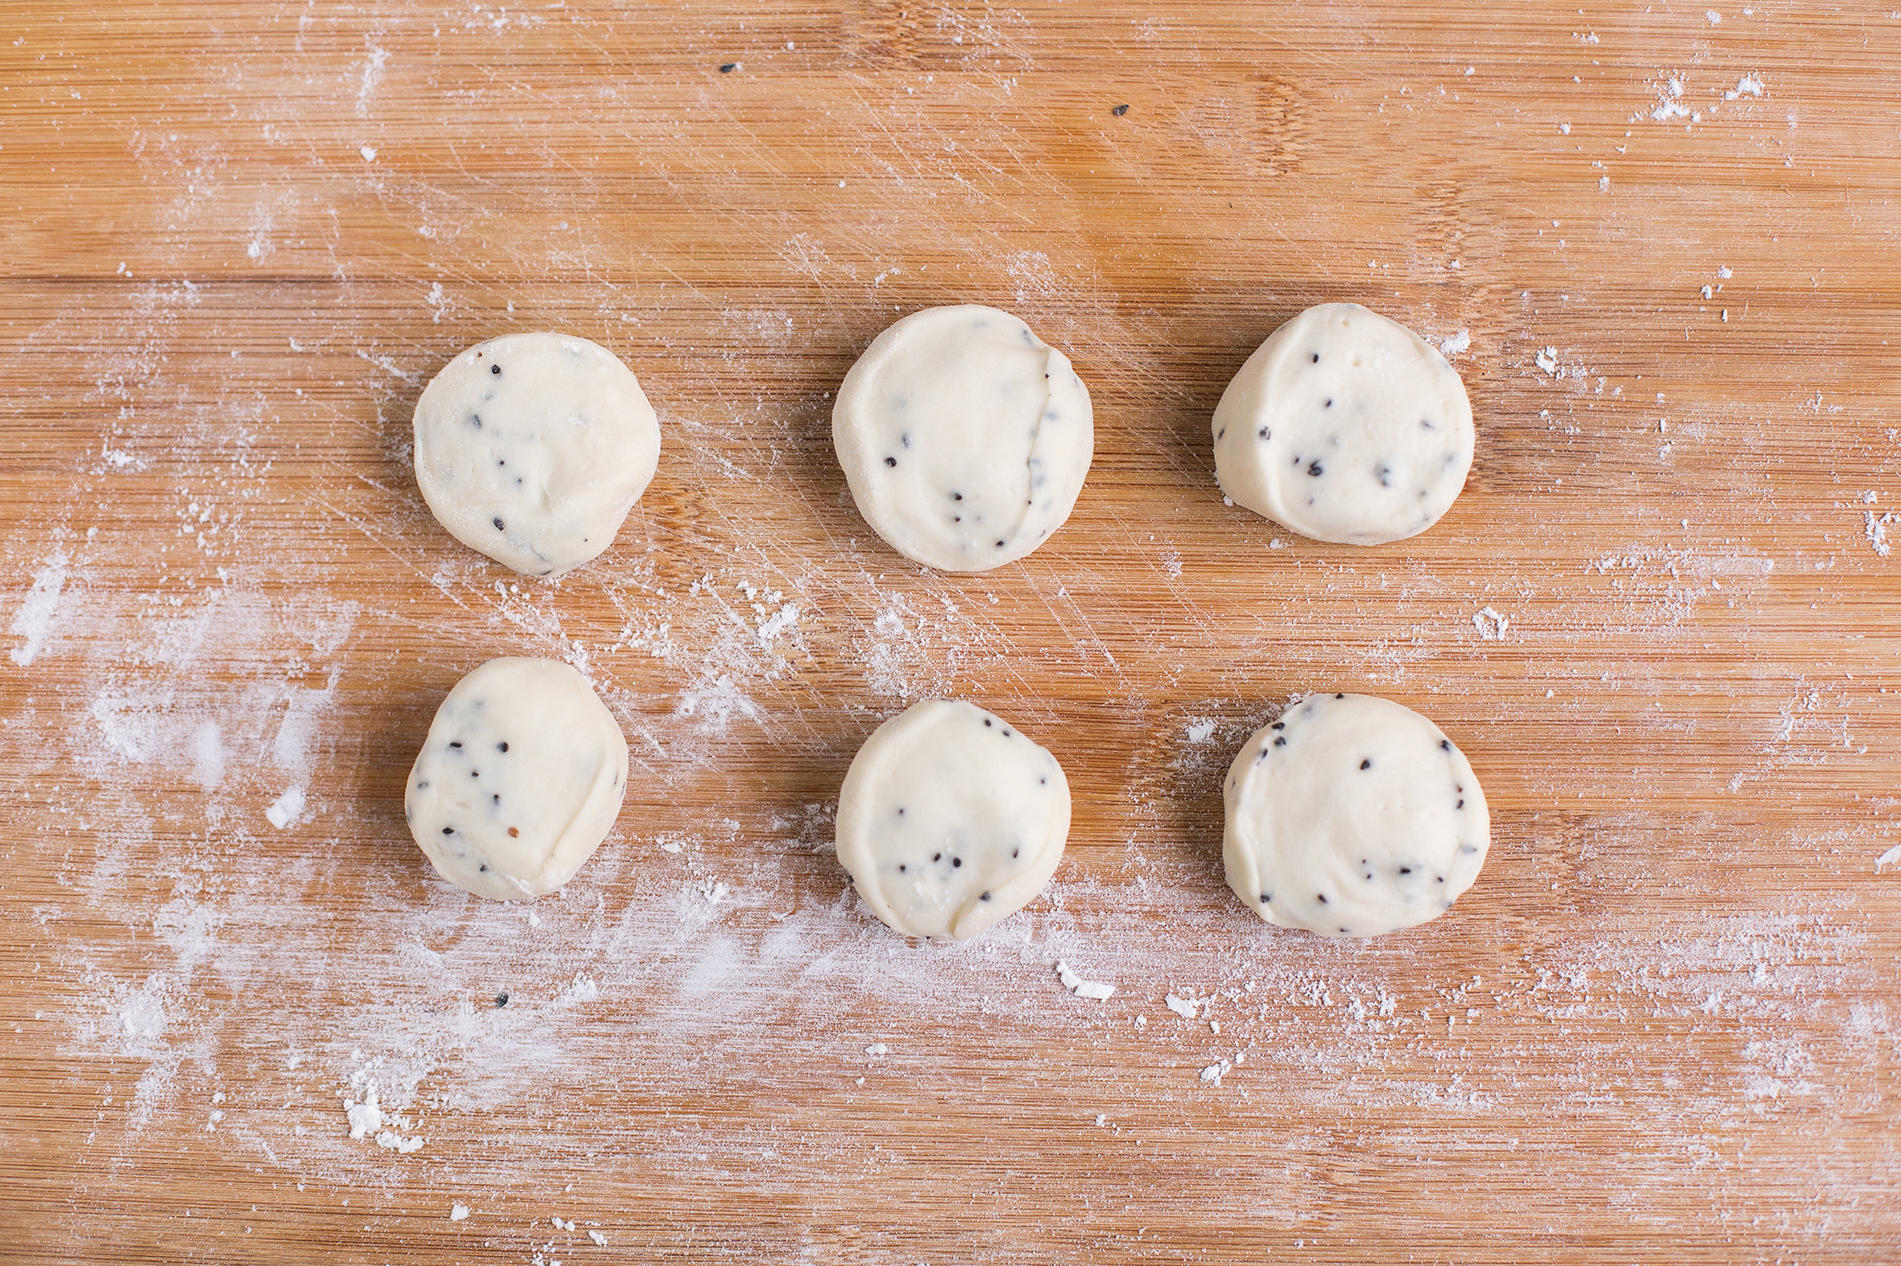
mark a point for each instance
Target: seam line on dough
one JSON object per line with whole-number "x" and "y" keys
{"x": 1029, "y": 460}
{"x": 560, "y": 837}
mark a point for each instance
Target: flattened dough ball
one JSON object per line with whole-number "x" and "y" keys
{"x": 1353, "y": 815}
{"x": 519, "y": 781}
{"x": 532, "y": 448}
{"x": 1346, "y": 427}
{"x": 950, "y": 819}
{"x": 965, "y": 438}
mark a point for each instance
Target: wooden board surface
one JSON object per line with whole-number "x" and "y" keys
{"x": 239, "y": 236}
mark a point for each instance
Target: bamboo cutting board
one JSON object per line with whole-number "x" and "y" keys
{"x": 240, "y": 1020}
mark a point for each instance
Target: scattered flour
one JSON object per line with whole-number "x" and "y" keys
{"x": 1491, "y": 623}
{"x": 287, "y": 809}
{"x": 1094, "y": 990}
{"x": 34, "y": 618}
{"x": 369, "y": 1119}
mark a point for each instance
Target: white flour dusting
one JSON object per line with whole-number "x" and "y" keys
{"x": 33, "y": 620}
{"x": 1094, "y": 990}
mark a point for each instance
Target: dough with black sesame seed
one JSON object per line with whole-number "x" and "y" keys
{"x": 1346, "y": 427}
{"x": 531, "y": 448}
{"x": 965, "y": 437}
{"x": 1353, "y": 815}
{"x": 951, "y": 819}
{"x": 519, "y": 781}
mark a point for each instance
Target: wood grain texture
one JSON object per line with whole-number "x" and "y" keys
{"x": 240, "y": 235}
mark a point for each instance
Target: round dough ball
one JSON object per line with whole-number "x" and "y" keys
{"x": 950, "y": 819}
{"x": 519, "y": 781}
{"x": 1353, "y": 816}
{"x": 1346, "y": 427}
{"x": 965, "y": 438}
{"x": 531, "y": 448}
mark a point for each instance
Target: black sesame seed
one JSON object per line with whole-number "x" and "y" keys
{"x": 1386, "y": 476}
{"x": 1316, "y": 358}
{"x": 1265, "y": 434}
{"x": 891, "y": 461}
{"x": 1222, "y": 433}
{"x": 1266, "y": 897}
{"x": 455, "y": 742}
{"x": 494, "y": 369}
{"x": 1339, "y": 696}
{"x": 1322, "y": 897}
{"x": 496, "y": 798}
{"x": 501, "y": 999}
{"x": 475, "y": 420}
{"x": 902, "y": 868}
{"x": 1119, "y": 111}
{"x": 957, "y": 496}
{"x": 1445, "y": 745}
{"x": 956, "y": 862}
{"x": 900, "y": 810}
{"x": 1278, "y": 725}
{"x": 423, "y": 785}
{"x": 986, "y": 722}
{"x": 1328, "y": 403}
{"x": 475, "y": 773}
{"x": 498, "y": 524}
{"x": 1367, "y": 763}
{"x": 1280, "y": 740}
{"x": 1314, "y": 469}
{"x": 1042, "y": 782}
{"x": 448, "y": 830}
{"x": 1428, "y": 425}
{"x": 1459, "y": 805}
{"x": 984, "y": 897}
{"x": 1000, "y": 544}
{"x": 483, "y": 868}
{"x": 727, "y": 68}
{"x": 1439, "y": 879}
{"x": 1405, "y": 870}
{"x": 1015, "y": 851}
{"x": 937, "y": 857}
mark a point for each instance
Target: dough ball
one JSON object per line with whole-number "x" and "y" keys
{"x": 965, "y": 438}
{"x": 519, "y": 781}
{"x": 950, "y": 819}
{"x": 531, "y": 448}
{"x": 1346, "y": 427}
{"x": 1353, "y": 816}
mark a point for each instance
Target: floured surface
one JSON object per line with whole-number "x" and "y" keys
{"x": 245, "y": 1022}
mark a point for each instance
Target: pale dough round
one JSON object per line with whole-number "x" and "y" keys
{"x": 531, "y": 448}
{"x": 950, "y": 819}
{"x": 965, "y": 438}
{"x": 1353, "y": 815}
{"x": 1346, "y": 427}
{"x": 519, "y": 781}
